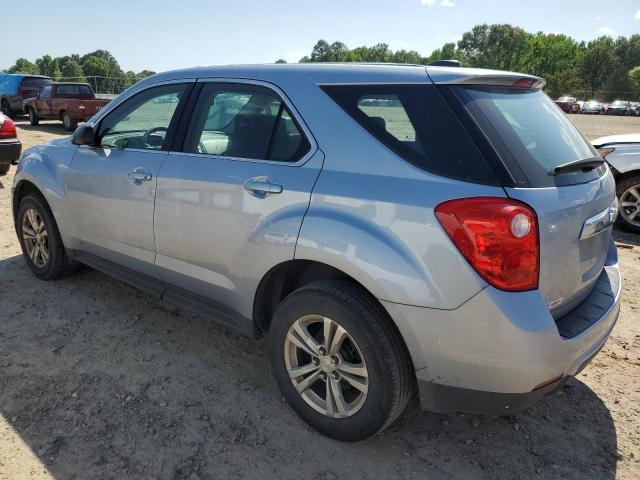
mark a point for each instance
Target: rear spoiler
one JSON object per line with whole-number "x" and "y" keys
{"x": 478, "y": 76}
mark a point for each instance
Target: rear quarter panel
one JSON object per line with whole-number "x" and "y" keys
{"x": 625, "y": 158}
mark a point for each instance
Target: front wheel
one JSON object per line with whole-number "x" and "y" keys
{"x": 338, "y": 360}
{"x": 33, "y": 117}
{"x": 69, "y": 124}
{"x": 40, "y": 239}
{"x": 629, "y": 206}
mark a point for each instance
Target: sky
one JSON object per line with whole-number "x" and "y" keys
{"x": 167, "y": 34}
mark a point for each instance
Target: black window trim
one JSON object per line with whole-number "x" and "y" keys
{"x": 169, "y": 140}
{"x": 500, "y": 175}
{"x": 180, "y": 137}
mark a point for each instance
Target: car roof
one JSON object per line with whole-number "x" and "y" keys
{"x": 339, "y": 73}
{"x": 613, "y": 139}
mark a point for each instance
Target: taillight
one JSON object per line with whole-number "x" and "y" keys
{"x": 497, "y": 236}
{"x": 8, "y": 129}
{"x": 603, "y": 152}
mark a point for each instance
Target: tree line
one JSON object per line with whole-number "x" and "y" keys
{"x": 604, "y": 67}
{"x": 98, "y": 68}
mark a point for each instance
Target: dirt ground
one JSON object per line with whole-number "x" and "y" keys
{"x": 98, "y": 380}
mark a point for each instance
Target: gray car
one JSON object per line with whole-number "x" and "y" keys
{"x": 622, "y": 153}
{"x": 393, "y": 230}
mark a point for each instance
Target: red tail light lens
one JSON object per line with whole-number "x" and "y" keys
{"x": 498, "y": 237}
{"x": 8, "y": 129}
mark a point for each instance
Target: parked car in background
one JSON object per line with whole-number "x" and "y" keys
{"x": 16, "y": 88}
{"x": 619, "y": 107}
{"x": 568, "y": 104}
{"x": 622, "y": 153}
{"x": 10, "y": 146}
{"x": 69, "y": 102}
{"x": 592, "y": 106}
{"x": 635, "y": 108}
{"x": 387, "y": 227}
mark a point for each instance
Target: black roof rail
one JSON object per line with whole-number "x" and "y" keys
{"x": 446, "y": 63}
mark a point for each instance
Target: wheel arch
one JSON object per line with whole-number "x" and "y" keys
{"x": 21, "y": 190}
{"x": 289, "y": 276}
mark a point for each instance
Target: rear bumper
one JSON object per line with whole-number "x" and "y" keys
{"x": 499, "y": 352}
{"x": 10, "y": 151}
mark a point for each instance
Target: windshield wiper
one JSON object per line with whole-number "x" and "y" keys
{"x": 584, "y": 164}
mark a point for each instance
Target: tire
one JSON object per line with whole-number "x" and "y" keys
{"x": 33, "y": 116}
{"x": 6, "y": 108}
{"x": 69, "y": 125}
{"x": 624, "y": 196}
{"x": 4, "y": 168}
{"x": 372, "y": 341}
{"x": 57, "y": 264}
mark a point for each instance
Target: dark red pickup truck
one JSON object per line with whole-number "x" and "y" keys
{"x": 69, "y": 102}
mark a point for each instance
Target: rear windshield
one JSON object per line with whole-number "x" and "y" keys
{"x": 417, "y": 123}
{"x": 531, "y": 134}
{"x": 34, "y": 82}
{"x": 73, "y": 90}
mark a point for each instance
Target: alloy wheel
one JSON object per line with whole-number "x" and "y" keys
{"x": 630, "y": 205}
{"x": 326, "y": 366}
{"x": 35, "y": 238}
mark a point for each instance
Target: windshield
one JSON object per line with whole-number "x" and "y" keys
{"x": 531, "y": 130}
{"x": 619, "y": 103}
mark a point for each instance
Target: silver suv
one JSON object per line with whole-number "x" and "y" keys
{"x": 393, "y": 230}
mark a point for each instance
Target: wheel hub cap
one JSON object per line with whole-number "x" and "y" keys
{"x": 35, "y": 238}
{"x": 326, "y": 366}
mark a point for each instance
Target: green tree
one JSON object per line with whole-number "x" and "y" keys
{"x": 449, "y": 51}
{"x": 23, "y": 65}
{"x": 281, "y": 60}
{"x": 500, "y": 47}
{"x": 556, "y": 58}
{"x": 598, "y": 62}
{"x": 96, "y": 70}
{"x": 48, "y": 66}
{"x": 72, "y": 71}
{"x": 634, "y": 76}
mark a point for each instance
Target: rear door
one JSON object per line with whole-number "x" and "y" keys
{"x": 230, "y": 206}
{"x": 533, "y": 137}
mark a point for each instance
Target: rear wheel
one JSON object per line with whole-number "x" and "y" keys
{"x": 629, "y": 207}
{"x": 338, "y": 360}
{"x": 40, "y": 239}
{"x": 33, "y": 117}
{"x": 69, "y": 124}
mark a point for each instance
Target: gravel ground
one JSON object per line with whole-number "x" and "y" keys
{"x": 98, "y": 380}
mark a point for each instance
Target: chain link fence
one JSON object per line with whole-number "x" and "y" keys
{"x": 105, "y": 86}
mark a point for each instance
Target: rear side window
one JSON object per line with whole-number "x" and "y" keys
{"x": 415, "y": 122}
{"x": 73, "y": 90}
{"x": 531, "y": 134}
{"x": 34, "y": 82}
{"x": 244, "y": 121}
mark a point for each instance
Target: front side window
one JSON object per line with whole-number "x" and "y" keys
{"x": 142, "y": 122}
{"x": 244, "y": 121}
{"x": 46, "y": 92}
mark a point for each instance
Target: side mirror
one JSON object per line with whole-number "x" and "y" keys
{"x": 84, "y": 135}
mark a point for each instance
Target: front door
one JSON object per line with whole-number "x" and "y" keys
{"x": 43, "y": 102}
{"x": 111, "y": 187}
{"x": 230, "y": 206}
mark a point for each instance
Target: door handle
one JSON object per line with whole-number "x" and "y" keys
{"x": 261, "y": 187}
{"x": 138, "y": 175}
